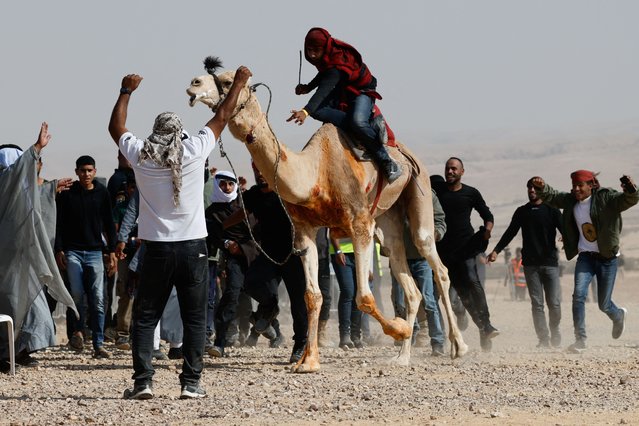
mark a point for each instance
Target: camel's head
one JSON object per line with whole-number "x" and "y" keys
{"x": 210, "y": 89}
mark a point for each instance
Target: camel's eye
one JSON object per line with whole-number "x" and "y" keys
{"x": 227, "y": 83}
{"x": 196, "y": 82}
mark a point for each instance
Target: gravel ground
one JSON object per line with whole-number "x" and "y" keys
{"x": 514, "y": 384}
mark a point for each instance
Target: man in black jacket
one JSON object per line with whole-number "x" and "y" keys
{"x": 83, "y": 215}
{"x": 539, "y": 224}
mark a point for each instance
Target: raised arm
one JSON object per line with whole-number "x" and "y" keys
{"x": 225, "y": 110}
{"x": 117, "y": 124}
{"x": 43, "y": 137}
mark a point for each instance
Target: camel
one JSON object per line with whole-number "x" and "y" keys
{"x": 325, "y": 185}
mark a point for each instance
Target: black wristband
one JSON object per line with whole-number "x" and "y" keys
{"x": 125, "y": 91}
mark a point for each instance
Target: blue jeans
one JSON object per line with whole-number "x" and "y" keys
{"x": 185, "y": 265}
{"x": 85, "y": 270}
{"x": 349, "y": 317}
{"x": 423, "y": 275}
{"x": 356, "y": 119}
{"x": 544, "y": 281}
{"x": 606, "y": 271}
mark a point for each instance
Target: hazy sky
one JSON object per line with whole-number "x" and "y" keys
{"x": 443, "y": 66}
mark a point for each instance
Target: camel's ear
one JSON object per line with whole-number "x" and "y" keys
{"x": 212, "y": 63}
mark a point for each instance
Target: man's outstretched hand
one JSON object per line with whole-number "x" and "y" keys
{"x": 43, "y": 137}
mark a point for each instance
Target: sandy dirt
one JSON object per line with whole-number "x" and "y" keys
{"x": 514, "y": 384}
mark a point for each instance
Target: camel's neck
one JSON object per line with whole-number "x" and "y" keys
{"x": 296, "y": 172}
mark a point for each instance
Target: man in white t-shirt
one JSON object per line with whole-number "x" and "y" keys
{"x": 169, "y": 176}
{"x": 591, "y": 228}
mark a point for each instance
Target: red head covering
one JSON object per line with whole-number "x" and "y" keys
{"x": 583, "y": 176}
{"x": 317, "y": 37}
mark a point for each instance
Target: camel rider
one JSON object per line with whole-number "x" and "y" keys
{"x": 345, "y": 96}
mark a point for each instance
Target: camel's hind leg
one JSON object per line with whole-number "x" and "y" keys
{"x": 305, "y": 239}
{"x": 419, "y": 207}
{"x": 391, "y": 225}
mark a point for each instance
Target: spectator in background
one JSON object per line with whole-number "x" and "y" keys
{"x": 84, "y": 216}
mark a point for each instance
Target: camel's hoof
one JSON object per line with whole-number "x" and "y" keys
{"x": 458, "y": 350}
{"x": 398, "y": 329}
{"x": 402, "y": 361}
{"x": 306, "y": 367}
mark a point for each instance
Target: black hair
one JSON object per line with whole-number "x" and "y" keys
{"x": 458, "y": 159}
{"x": 85, "y": 160}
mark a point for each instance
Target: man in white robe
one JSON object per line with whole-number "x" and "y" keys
{"x": 28, "y": 263}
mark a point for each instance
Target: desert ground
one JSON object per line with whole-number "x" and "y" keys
{"x": 516, "y": 383}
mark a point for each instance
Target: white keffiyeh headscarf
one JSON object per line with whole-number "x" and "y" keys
{"x": 164, "y": 148}
{"x": 219, "y": 196}
{"x": 9, "y": 154}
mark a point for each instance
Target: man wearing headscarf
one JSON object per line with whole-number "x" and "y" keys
{"x": 591, "y": 222}
{"x": 28, "y": 264}
{"x": 168, "y": 173}
{"x": 345, "y": 96}
{"x": 237, "y": 249}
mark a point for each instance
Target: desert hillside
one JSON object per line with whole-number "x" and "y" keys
{"x": 500, "y": 163}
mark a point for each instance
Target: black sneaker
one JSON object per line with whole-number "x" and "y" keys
{"x": 175, "y": 353}
{"x": 619, "y": 325}
{"x": 5, "y": 366}
{"x": 269, "y": 333}
{"x": 438, "y": 350}
{"x": 26, "y": 360}
{"x": 462, "y": 322}
{"x": 490, "y": 331}
{"x": 262, "y": 325}
{"x": 544, "y": 344}
{"x": 123, "y": 343}
{"x": 101, "y": 353}
{"x": 277, "y": 342}
{"x": 578, "y": 347}
{"x": 346, "y": 343}
{"x": 139, "y": 392}
{"x": 357, "y": 343}
{"x": 298, "y": 352}
{"x": 484, "y": 342}
{"x": 216, "y": 352}
{"x": 76, "y": 343}
{"x": 251, "y": 340}
{"x": 192, "y": 391}
{"x": 159, "y": 355}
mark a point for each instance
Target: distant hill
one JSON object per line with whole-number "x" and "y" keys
{"x": 499, "y": 164}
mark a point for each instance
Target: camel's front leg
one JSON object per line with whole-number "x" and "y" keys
{"x": 397, "y": 327}
{"x": 305, "y": 238}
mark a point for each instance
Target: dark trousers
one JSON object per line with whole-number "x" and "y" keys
{"x": 324, "y": 278}
{"x": 464, "y": 278}
{"x": 261, "y": 283}
{"x": 183, "y": 264}
{"x": 227, "y": 308}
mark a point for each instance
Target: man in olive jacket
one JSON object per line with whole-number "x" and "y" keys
{"x": 592, "y": 224}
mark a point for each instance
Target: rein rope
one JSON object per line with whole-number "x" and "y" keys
{"x": 252, "y": 89}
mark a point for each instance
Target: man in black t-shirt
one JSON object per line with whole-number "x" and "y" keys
{"x": 263, "y": 276}
{"x": 539, "y": 224}
{"x": 460, "y": 245}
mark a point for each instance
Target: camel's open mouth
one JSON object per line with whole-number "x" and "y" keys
{"x": 192, "y": 100}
